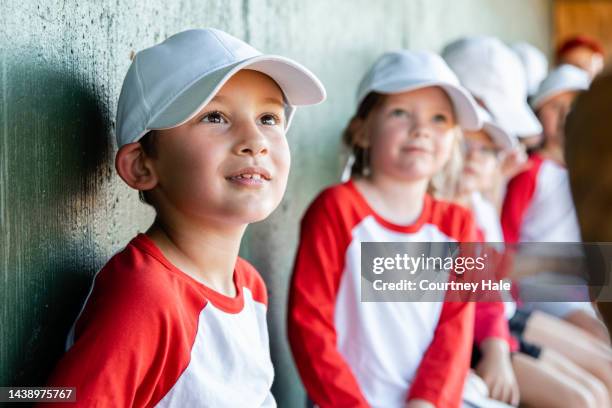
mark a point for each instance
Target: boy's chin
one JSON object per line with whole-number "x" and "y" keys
{"x": 250, "y": 214}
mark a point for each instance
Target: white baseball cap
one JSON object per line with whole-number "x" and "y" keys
{"x": 404, "y": 71}
{"x": 534, "y": 62}
{"x": 562, "y": 79}
{"x": 493, "y": 73}
{"x": 500, "y": 137}
{"x": 169, "y": 83}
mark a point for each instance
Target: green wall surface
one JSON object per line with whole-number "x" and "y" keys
{"x": 64, "y": 211}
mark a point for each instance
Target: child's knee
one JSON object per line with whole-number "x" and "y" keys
{"x": 580, "y": 397}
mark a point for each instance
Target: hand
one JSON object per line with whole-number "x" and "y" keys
{"x": 419, "y": 403}
{"x": 514, "y": 162}
{"x": 495, "y": 368}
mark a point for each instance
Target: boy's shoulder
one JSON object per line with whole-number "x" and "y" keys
{"x": 136, "y": 278}
{"x": 141, "y": 268}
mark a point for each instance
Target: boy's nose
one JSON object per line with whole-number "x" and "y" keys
{"x": 252, "y": 142}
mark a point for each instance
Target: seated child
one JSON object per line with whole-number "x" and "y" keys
{"x": 385, "y": 354}
{"x": 177, "y": 318}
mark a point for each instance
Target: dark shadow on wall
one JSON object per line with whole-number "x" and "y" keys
{"x": 56, "y": 154}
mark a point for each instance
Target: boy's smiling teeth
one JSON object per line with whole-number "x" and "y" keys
{"x": 254, "y": 176}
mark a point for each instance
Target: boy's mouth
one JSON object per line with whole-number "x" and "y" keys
{"x": 253, "y": 176}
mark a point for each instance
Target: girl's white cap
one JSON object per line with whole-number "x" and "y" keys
{"x": 500, "y": 137}
{"x": 562, "y": 79}
{"x": 493, "y": 73}
{"x": 167, "y": 84}
{"x": 403, "y": 71}
{"x": 535, "y": 63}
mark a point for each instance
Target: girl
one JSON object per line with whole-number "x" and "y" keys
{"x": 385, "y": 354}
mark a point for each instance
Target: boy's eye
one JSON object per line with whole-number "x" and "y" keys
{"x": 214, "y": 117}
{"x": 269, "y": 120}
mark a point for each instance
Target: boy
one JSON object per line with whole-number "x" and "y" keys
{"x": 177, "y": 318}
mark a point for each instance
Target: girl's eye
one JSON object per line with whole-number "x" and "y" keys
{"x": 269, "y": 120}
{"x": 398, "y": 113}
{"x": 214, "y": 117}
{"x": 440, "y": 118}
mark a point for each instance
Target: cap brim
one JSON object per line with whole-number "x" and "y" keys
{"x": 540, "y": 99}
{"x": 463, "y": 103}
{"x": 517, "y": 118}
{"x": 299, "y": 86}
{"x": 501, "y": 138}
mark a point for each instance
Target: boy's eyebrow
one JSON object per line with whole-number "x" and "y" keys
{"x": 273, "y": 101}
{"x": 267, "y": 100}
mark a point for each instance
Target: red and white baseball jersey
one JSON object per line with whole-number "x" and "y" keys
{"x": 491, "y": 317}
{"x": 377, "y": 354}
{"x": 151, "y": 335}
{"x": 538, "y": 206}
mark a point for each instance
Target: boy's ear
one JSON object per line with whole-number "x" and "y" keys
{"x": 135, "y": 168}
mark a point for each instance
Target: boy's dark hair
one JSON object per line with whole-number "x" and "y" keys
{"x": 349, "y": 136}
{"x": 149, "y": 146}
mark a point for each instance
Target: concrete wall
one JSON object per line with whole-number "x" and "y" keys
{"x": 64, "y": 211}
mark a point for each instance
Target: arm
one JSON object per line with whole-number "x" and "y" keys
{"x": 490, "y": 322}
{"x": 318, "y": 266}
{"x": 495, "y": 368}
{"x": 441, "y": 374}
{"x": 518, "y": 196}
{"x": 112, "y": 362}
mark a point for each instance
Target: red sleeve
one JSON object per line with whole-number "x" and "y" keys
{"x": 122, "y": 349}
{"x": 442, "y": 372}
{"x": 490, "y": 317}
{"x": 490, "y": 321}
{"x": 327, "y": 377}
{"x": 518, "y": 196}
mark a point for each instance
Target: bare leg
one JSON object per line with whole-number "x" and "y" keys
{"x": 565, "y": 366}
{"x": 541, "y": 323}
{"x": 592, "y": 325}
{"x": 572, "y": 343}
{"x": 542, "y": 386}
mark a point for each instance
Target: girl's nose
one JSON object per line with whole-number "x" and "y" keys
{"x": 419, "y": 129}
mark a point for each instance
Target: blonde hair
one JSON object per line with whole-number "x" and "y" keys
{"x": 444, "y": 185}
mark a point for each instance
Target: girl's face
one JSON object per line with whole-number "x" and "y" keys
{"x": 480, "y": 162}
{"x": 231, "y": 161}
{"x": 411, "y": 134}
{"x": 552, "y": 115}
